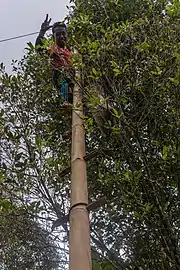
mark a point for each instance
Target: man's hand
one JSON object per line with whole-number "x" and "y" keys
{"x": 45, "y": 25}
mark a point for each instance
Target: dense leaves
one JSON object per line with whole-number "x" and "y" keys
{"x": 30, "y": 164}
{"x": 128, "y": 51}
{"x": 24, "y": 245}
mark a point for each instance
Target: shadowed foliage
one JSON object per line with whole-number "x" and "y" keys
{"x": 128, "y": 51}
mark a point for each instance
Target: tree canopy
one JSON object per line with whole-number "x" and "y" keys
{"x": 129, "y": 52}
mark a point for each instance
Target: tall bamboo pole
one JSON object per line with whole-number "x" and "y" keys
{"x": 79, "y": 238}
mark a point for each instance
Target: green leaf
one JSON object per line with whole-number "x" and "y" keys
{"x": 94, "y": 71}
{"x": 1, "y": 112}
{"x": 145, "y": 46}
{"x": 115, "y": 130}
{"x": 158, "y": 72}
{"x": 2, "y": 66}
{"x": 136, "y": 214}
{"x": 30, "y": 46}
{"x": 116, "y": 113}
{"x": 177, "y": 55}
{"x": 117, "y": 71}
{"x": 165, "y": 152}
{"x": 125, "y": 67}
{"x": 114, "y": 64}
{"x": 2, "y": 177}
{"x": 175, "y": 80}
{"x": 18, "y": 156}
{"x": 38, "y": 143}
{"x": 5, "y": 205}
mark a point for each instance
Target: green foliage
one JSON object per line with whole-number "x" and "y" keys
{"x": 129, "y": 52}
{"x": 104, "y": 265}
{"x": 25, "y": 245}
{"x": 30, "y": 164}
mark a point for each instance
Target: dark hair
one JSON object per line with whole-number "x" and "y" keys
{"x": 58, "y": 24}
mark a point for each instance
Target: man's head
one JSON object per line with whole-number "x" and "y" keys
{"x": 60, "y": 34}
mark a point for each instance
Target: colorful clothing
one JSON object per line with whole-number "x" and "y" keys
{"x": 61, "y": 64}
{"x": 64, "y": 85}
{"x": 60, "y": 57}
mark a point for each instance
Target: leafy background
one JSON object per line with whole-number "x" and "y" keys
{"x": 127, "y": 51}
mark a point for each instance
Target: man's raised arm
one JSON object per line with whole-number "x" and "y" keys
{"x": 44, "y": 27}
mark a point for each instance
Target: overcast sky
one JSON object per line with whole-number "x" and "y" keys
{"x": 19, "y": 17}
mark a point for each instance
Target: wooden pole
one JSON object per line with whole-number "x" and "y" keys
{"x": 79, "y": 238}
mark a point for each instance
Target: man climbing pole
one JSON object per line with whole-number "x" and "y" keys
{"x": 62, "y": 70}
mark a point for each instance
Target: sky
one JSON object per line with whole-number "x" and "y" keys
{"x": 19, "y": 17}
